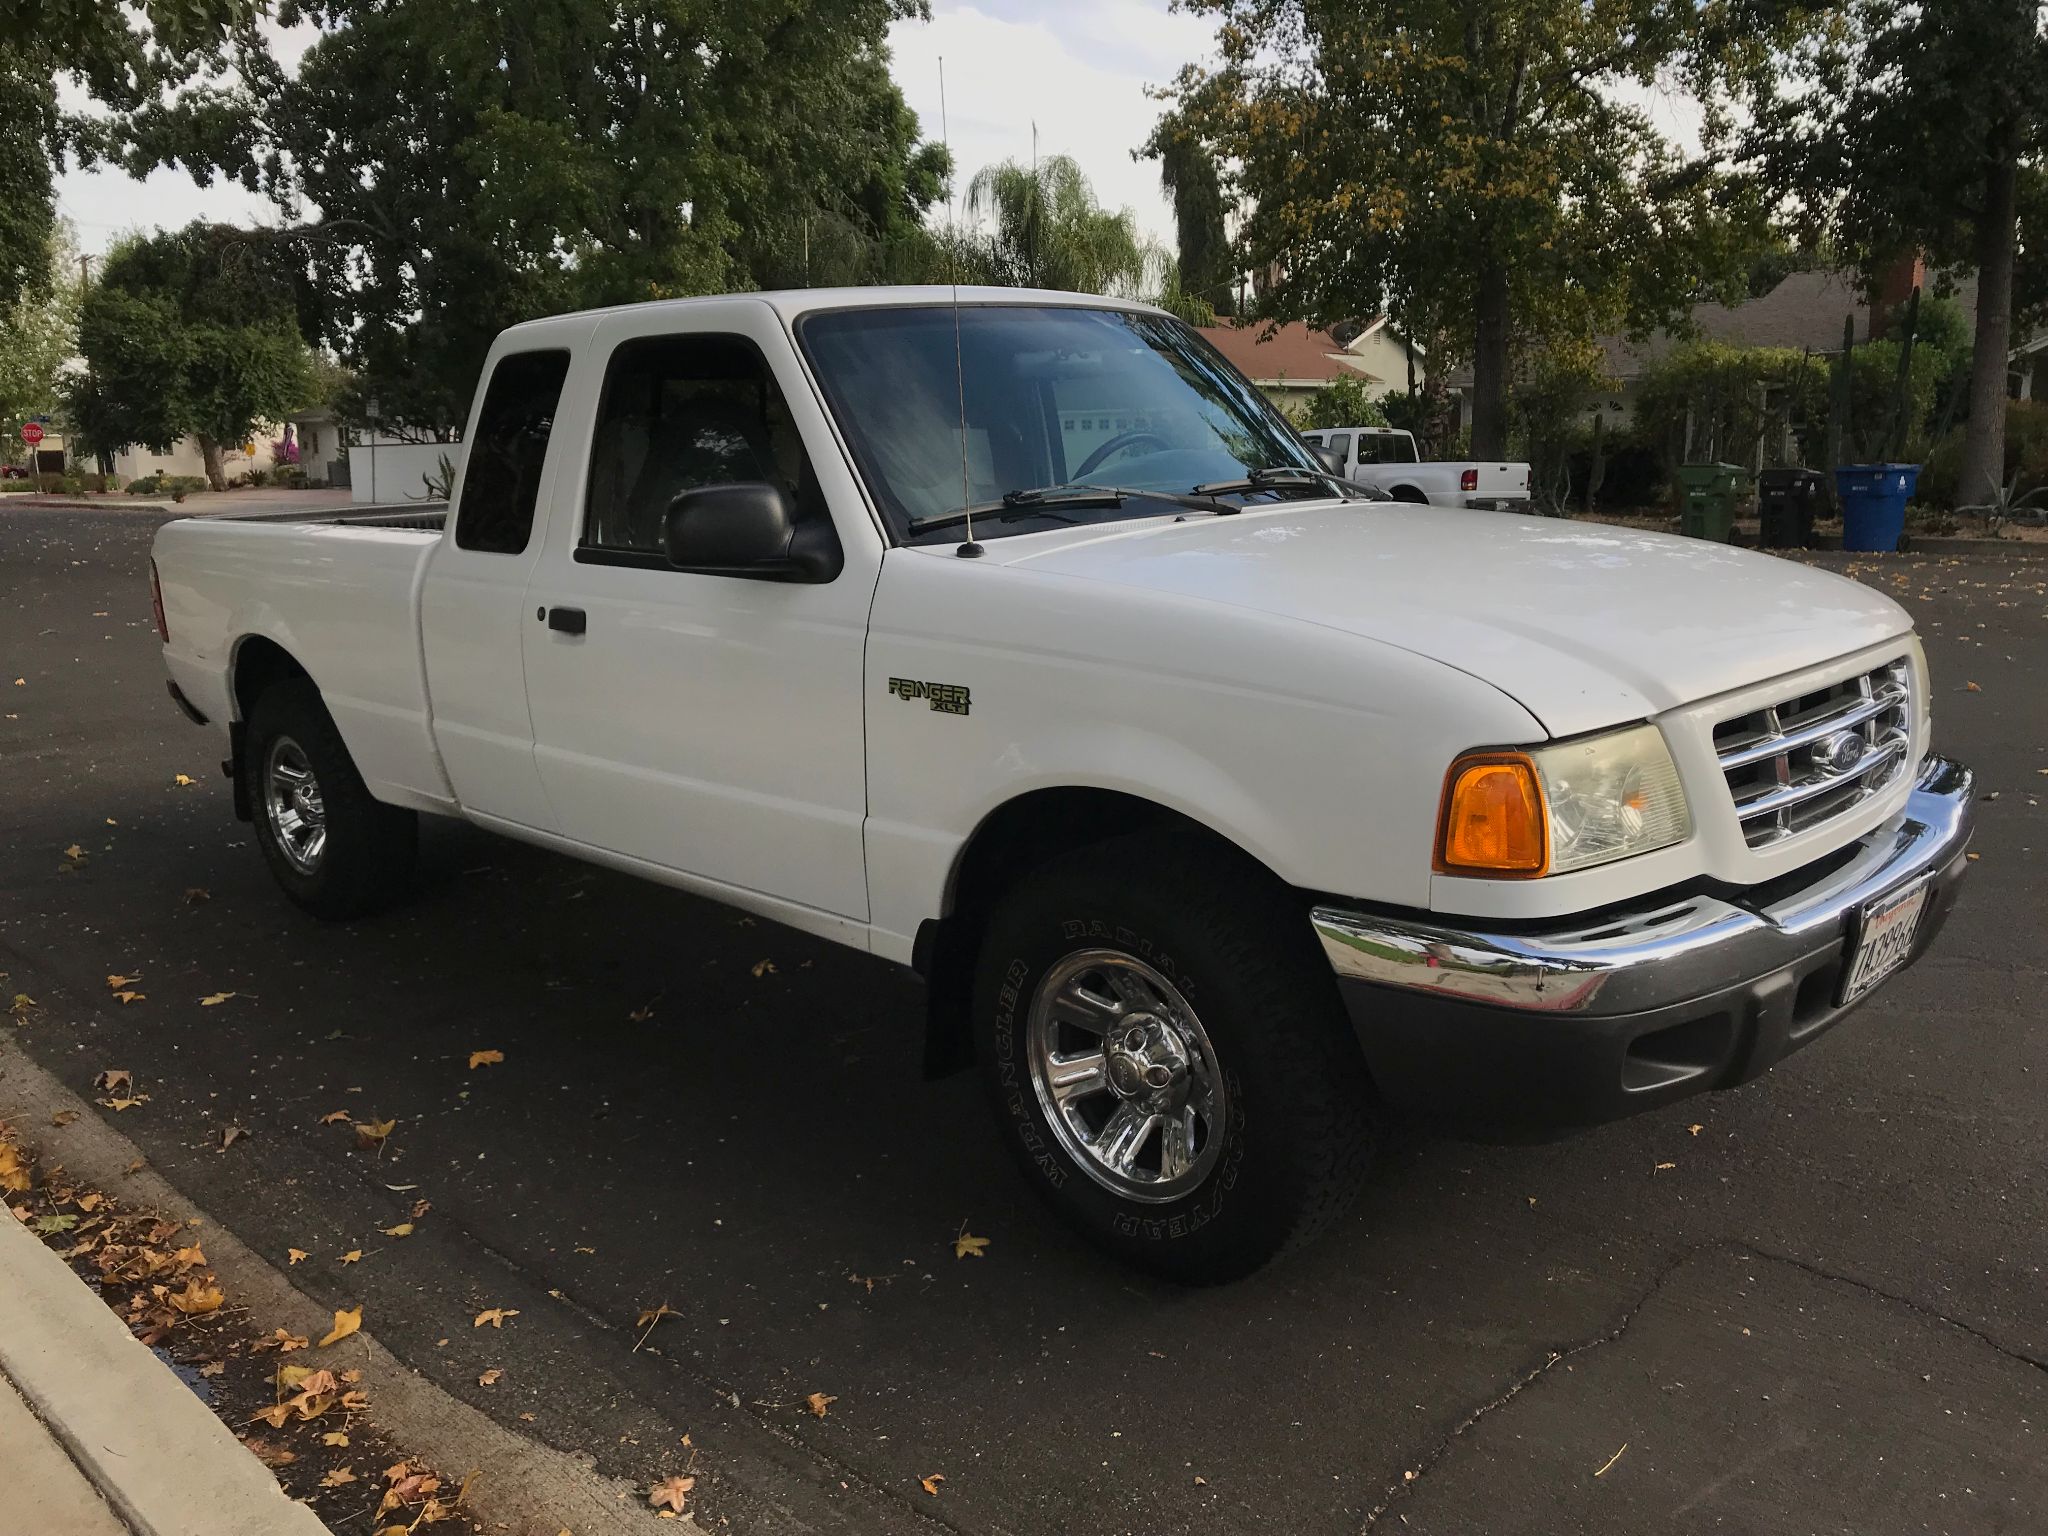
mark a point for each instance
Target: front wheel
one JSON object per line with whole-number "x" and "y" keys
{"x": 1168, "y": 1057}
{"x": 335, "y": 849}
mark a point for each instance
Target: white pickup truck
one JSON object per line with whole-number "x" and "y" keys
{"x": 1384, "y": 459}
{"x": 1014, "y": 637}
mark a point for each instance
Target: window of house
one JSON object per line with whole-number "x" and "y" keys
{"x": 680, "y": 412}
{"x": 501, "y": 481}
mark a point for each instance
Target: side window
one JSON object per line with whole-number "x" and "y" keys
{"x": 501, "y": 480}
{"x": 1339, "y": 443}
{"x": 680, "y": 412}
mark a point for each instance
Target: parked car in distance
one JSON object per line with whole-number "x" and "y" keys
{"x": 1384, "y": 459}
{"x": 1017, "y": 638}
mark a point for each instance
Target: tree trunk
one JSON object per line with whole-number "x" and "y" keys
{"x": 209, "y": 452}
{"x": 1490, "y": 366}
{"x": 1984, "y": 437}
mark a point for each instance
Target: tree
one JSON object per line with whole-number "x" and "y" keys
{"x": 122, "y": 55}
{"x": 38, "y": 333}
{"x": 463, "y": 166}
{"x": 190, "y": 334}
{"x": 1467, "y": 167}
{"x": 1908, "y": 127}
{"x": 1047, "y": 231}
{"x": 1343, "y": 402}
{"x": 1189, "y": 173}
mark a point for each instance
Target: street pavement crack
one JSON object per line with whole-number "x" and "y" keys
{"x": 1411, "y": 1478}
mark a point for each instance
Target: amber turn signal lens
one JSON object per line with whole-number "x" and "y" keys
{"x": 1492, "y": 819}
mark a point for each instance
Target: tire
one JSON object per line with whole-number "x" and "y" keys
{"x": 1211, "y": 973}
{"x": 364, "y": 858}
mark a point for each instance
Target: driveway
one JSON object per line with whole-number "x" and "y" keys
{"x": 1819, "y": 1302}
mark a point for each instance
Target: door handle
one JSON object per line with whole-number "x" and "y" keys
{"x": 566, "y": 621}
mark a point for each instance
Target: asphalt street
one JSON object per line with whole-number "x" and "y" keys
{"x": 1816, "y": 1304}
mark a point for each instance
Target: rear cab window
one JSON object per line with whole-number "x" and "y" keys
{"x": 501, "y": 480}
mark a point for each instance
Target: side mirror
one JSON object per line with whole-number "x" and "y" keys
{"x": 751, "y": 530}
{"x": 1331, "y": 459}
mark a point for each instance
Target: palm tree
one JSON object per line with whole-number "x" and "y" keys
{"x": 1047, "y": 231}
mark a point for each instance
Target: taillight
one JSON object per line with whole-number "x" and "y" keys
{"x": 1469, "y": 481}
{"x": 156, "y": 605}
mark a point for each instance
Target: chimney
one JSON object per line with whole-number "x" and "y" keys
{"x": 1890, "y": 290}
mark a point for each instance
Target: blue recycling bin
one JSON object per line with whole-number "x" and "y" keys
{"x": 1874, "y": 498}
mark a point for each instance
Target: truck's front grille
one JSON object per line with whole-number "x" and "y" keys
{"x": 1812, "y": 757}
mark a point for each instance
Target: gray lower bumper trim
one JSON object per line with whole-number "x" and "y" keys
{"x": 1635, "y": 961}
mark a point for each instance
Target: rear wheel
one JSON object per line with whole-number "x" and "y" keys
{"x": 1168, "y": 1057}
{"x": 336, "y": 850}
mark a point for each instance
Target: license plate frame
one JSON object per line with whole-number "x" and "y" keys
{"x": 1882, "y": 938}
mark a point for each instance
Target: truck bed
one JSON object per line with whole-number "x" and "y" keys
{"x": 338, "y": 590}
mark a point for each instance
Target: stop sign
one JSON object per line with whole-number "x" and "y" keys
{"x": 32, "y": 433}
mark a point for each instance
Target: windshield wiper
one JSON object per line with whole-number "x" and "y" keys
{"x": 1047, "y": 500}
{"x": 1277, "y": 477}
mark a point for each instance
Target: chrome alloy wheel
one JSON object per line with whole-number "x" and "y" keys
{"x": 1126, "y": 1075}
{"x": 291, "y": 799}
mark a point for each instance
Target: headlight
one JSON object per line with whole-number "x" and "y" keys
{"x": 1555, "y": 809}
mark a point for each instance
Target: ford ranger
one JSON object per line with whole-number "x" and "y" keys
{"x": 1015, "y": 637}
{"x": 1384, "y": 459}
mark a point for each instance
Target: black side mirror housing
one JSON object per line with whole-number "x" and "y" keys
{"x": 1331, "y": 459}
{"x": 749, "y": 529}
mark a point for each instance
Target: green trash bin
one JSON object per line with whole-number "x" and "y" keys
{"x": 1711, "y": 493}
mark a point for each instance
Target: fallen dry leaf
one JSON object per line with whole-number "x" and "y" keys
{"x": 213, "y": 1367}
{"x": 197, "y": 1300}
{"x": 117, "y": 1105}
{"x": 113, "y": 1080}
{"x": 215, "y": 999}
{"x": 642, "y": 1014}
{"x": 63, "y": 1117}
{"x": 763, "y": 968}
{"x": 296, "y": 1255}
{"x": 490, "y": 1377}
{"x": 345, "y": 1323}
{"x": 336, "y": 1117}
{"x": 966, "y": 1244}
{"x": 122, "y": 981}
{"x": 646, "y": 1321}
{"x": 124, "y": 998}
{"x": 75, "y": 854}
{"x": 338, "y": 1477}
{"x": 269, "y": 1452}
{"x": 183, "y": 780}
{"x": 820, "y": 1402}
{"x": 1695, "y": 1129}
{"x": 195, "y": 894}
{"x": 229, "y": 1135}
{"x": 485, "y": 1059}
{"x": 334, "y": 1437}
{"x": 1971, "y": 688}
{"x": 353, "y": 1256}
{"x": 403, "y": 1229}
{"x": 1664, "y": 1167}
{"x": 495, "y": 1316}
{"x": 374, "y": 1133}
{"x": 931, "y": 1483}
{"x": 671, "y": 1491}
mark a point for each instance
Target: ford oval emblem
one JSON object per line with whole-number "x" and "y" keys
{"x": 1839, "y": 753}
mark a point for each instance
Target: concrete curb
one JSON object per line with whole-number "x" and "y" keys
{"x": 157, "y": 1454}
{"x": 525, "y": 1484}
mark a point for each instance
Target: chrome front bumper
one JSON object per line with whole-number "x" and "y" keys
{"x": 1638, "y": 1006}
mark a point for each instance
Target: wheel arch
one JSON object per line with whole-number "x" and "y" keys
{"x": 1410, "y": 493}
{"x": 1011, "y": 840}
{"x": 256, "y": 663}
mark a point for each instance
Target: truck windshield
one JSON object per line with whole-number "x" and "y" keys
{"x": 1051, "y": 396}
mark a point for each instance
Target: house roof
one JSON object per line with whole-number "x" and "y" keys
{"x": 1291, "y": 354}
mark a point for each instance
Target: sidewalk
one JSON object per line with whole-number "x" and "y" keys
{"x": 97, "y": 1436}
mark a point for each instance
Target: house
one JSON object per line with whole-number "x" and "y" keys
{"x": 184, "y": 458}
{"x": 1292, "y": 361}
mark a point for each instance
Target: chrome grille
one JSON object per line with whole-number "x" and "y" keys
{"x": 1814, "y": 756}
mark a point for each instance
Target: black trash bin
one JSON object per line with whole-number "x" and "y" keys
{"x": 1788, "y": 500}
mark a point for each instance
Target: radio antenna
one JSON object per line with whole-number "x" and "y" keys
{"x": 969, "y": 550}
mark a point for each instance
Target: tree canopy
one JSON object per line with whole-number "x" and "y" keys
{"x": 1207, "y": 269}
{"x": 191, "y": 334}
{"x": 461, "y": 166}
{"x": 1471, "y": 169}
{"x": 124, "y": 55}
{"x": 38, "y": 333}
{"x": 1045, "y": 229}
{"x": 1897, "y": 128}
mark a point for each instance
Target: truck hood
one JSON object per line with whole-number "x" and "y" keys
{"x": 1584, "y": 625}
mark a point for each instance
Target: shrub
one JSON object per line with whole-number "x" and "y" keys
{"x": 2026, "y": 455}
{"x": 257, "y": 477}
{"x": 1339, "y": 403}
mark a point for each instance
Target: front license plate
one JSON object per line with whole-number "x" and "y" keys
{"x": 1884, "y": 938}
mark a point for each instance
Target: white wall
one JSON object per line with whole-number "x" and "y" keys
{"x": 396, "y": 472}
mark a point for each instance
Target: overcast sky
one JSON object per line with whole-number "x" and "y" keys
{"x": 1078, "y": 67}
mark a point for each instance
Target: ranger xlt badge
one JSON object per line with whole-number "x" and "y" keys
{"x": 947, "y": 698}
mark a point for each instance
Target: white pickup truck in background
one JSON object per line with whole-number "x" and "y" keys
{"x": 1015, "y": 637}
{"x": 1384, "y": 459}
